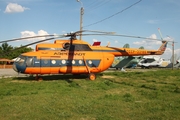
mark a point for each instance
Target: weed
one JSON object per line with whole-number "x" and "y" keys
{"x": 128, "y": 97}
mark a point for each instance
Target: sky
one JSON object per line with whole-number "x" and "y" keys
{"x": 22, "y": 18}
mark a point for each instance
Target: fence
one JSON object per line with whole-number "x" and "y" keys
{"x": 6, "y": 66}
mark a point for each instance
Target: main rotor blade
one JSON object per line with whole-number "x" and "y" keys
{"x": 39, "y": 41}
{"x": 97, "y": 31}
{"x": 135, "y": 37}
{"x": 26, "y": 38}
{"x": 33, "y": 44}
{"x": 142, "y": 37}
{"x": 78, "y": 33}
{"x": 130, "y": 36}
{"x": 97, "y": 34}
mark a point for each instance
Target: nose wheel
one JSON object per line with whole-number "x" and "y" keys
{"x": 92, "y": 76}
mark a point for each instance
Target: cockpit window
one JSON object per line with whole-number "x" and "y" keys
{"x": 17, "y": 59}
{"x": 21, "y": 59}
{"x": 29, "y": 61}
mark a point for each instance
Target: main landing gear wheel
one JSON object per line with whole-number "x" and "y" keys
{"x": 92, "y": 76}
{"x": 38, "y": 78}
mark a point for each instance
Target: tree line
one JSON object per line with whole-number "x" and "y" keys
{"x": 10, "y": 52}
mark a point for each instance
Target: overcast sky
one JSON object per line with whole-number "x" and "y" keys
{"x": 21, "y": 18}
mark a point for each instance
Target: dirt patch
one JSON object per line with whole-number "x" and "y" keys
{"x": 107, "y": 76}
{"x": 24, "y": 81}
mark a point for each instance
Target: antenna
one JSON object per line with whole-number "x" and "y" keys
{"x": 160, "y": 33}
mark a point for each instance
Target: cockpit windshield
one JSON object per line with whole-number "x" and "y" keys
{"x": 27, "y": 61}
{"x": 20, "y": 59}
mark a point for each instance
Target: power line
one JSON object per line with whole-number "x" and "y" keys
{"x": 91, "y": 4}
{"x": 114, "y": 14}
{"x": 98, "y": 4}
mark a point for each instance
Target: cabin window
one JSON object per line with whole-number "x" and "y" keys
{"x": 63, "y": 61}
{"x": 45, "y": 61}
{"x": 80, "y": 62}
{"x": 53, "y": 61}
{"x": 90, "y": 62}
{"x": 73, "y": 62}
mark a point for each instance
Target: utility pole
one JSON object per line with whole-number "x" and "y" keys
{"x": 81, "y": 18}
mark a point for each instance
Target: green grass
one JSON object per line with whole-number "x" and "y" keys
{"x": 152, "y": 95}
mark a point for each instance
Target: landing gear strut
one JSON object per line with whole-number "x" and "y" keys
{"x": 38, "y": 78}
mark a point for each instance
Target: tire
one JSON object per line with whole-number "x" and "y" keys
{"x": 92, "y": 76}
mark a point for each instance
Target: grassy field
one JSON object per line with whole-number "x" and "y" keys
{"x": 151, "y": 95}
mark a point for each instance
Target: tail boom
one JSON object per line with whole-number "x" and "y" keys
{"x": 161, "y": 49}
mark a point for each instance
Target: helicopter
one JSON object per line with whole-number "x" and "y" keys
{"x": 73, "y": 56}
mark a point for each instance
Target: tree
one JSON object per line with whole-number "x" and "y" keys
{"x": 5, "y": 48}
{"x": 9, "y": 52}
{"x": 19, "y": 50}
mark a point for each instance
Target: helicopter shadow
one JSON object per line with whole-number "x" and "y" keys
{"x": 63, "y": 77}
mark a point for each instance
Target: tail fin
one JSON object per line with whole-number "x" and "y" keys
{"x": 163, "y": 46}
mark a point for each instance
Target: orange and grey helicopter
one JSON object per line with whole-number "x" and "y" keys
{"x": 73, "y": 56}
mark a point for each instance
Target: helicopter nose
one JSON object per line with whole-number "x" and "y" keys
{"x": 15, "y": 68}
{"x": 19, "y": 68}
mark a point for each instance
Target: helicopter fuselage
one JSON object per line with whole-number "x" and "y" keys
{"x": 56, "y": 62}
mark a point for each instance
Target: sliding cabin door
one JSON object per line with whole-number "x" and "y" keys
{"x": 45, "y": 65}
{"x": 50, "y": 65}
{"x": 54, "y": 65}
